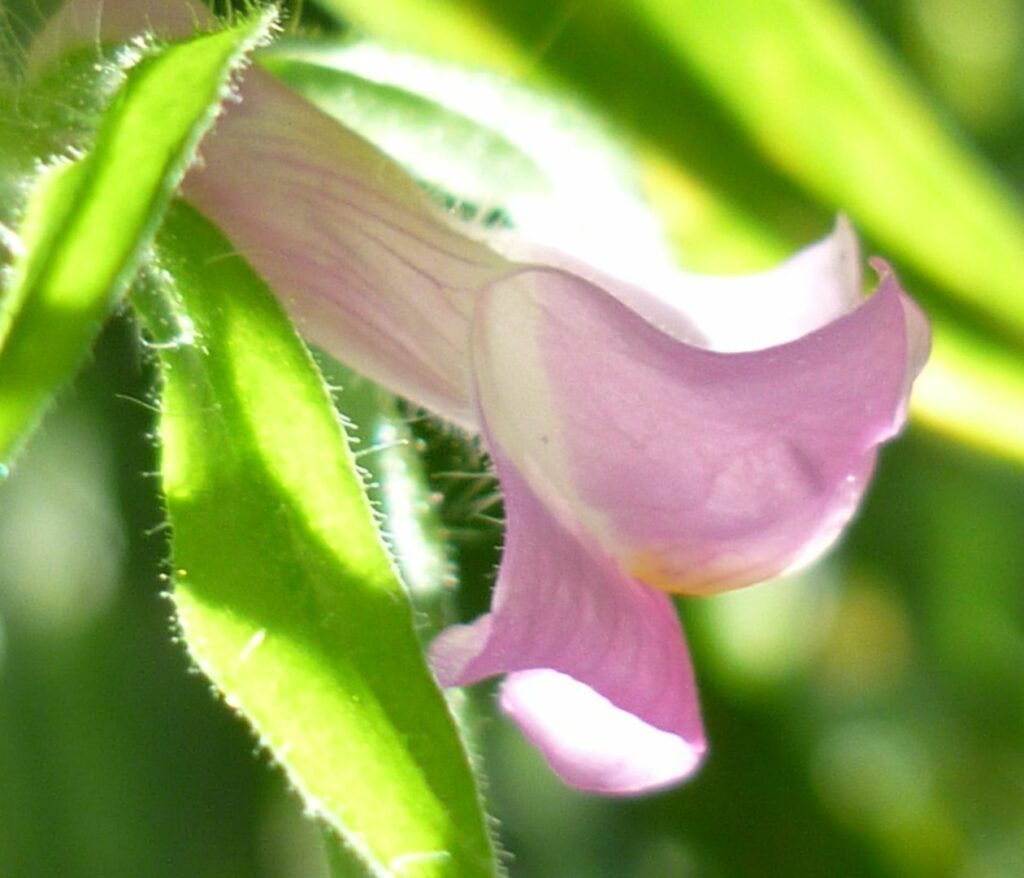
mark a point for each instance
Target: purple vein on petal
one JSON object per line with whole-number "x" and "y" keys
{"x": 368, "y": 268}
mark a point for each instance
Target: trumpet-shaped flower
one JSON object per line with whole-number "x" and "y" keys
{"x": 695, "y": 436}
{"x": 690, "y": 439}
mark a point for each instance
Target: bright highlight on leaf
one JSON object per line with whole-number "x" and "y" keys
{"x": 833, "y": 110}
{"x": 89, "y": 220}
{"x": 505, "y": 152}
{"x": 285, "y": 594}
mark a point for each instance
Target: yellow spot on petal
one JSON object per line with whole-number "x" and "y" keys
{"x": 673, "y": 575}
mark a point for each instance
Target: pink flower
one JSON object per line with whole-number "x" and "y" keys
{"x": 690, "y": 439}
{"x": 703, "y": 435}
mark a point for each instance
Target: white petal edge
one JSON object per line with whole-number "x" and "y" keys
{"x": 729, "y": 313}
{"x": 571, "y": 724}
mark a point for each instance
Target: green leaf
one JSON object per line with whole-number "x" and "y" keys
{"x": 285, "y": 594}
{"x": 467, "y": 32}
{"x": 437, "y": 144}
{"x": 603, "y": 54}
{"x": 396, "y": 484}
{"x": 503, "y": 153}
{"x": 973, "y": 391}
{"x": 835, "y": 112}
{"x": 88, "y": 221}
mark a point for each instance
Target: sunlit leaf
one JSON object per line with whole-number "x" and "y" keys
{"x": 973, "y": 391}
{"x": 601, "y": 53}
{"x": 88, "y": 221}
{"x": 297, "y": 615}
{"x": 438, "y": 144}
{"x": 835, "y": 112}
{"x": 502, "y": 153}
{"x": 388, "y": 454}
{"x": 467, "y": 32}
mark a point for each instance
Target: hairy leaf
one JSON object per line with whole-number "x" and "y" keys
{"x": 88, "y": 220}
{"x": 285, "y": 594}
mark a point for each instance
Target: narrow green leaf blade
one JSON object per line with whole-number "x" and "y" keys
{"x": 973, "y": 391}
{"x": 285, "y": 594}
{"x": 835, "y": 112}
{"x": 88, "y": 221}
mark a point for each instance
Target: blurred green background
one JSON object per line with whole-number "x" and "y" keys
{"x": 865, "y": 718}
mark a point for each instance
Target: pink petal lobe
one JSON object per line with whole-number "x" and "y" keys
{"x": 748, "y": 312}
{"x": 348, "y": 242}
{"x": 727, "y": 313}
{"x": 599, "y": 675}
{"x": 90, "y": 22}
{"x": 697, "y": 471}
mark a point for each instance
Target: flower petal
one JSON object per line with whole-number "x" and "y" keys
{"x": 698, "y": 471}
{"x": 88, "y": 22}
{"x": 600, "y": 677}
{"x": 751, "y": 312}
{"x": 727, "y": 313}
{"x": 348, "y": 242}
